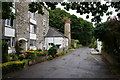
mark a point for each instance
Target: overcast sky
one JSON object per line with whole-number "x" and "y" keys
{"x": 104, "y": 18}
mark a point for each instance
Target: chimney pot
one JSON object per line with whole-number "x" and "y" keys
{"x": 67, "y": 21}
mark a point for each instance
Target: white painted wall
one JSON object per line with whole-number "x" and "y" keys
{"x": 57, "y": 41}
{"x": 33, "y": 21}
{"x": 33, "y": 47}
{"x": 33, "y": 36}
{"x": 99, "y": 45}
{"x": 9, "y": 32}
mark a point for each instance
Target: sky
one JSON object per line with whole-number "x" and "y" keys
{"x": 104, "y": 18}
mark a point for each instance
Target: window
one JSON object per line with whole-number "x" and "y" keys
{"x": 10, "y": 42}
{"x": 9, "y": 22}
{"x": 51, "y": 44}
{"x": 32, "y": 28}
{"x": 32, "y": 15}
{"x": 32, "y": 42}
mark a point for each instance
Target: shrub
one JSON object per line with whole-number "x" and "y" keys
{"x": 46, "y": 52}
{"x": 62, "y": 53}
{"x": 50, "y": 57}
{"x": 26, "y": 62}
{"x": 39, "y": 50}
{"x": 53, "y": 50}
{"x": 26, "y": 55}
{"x": 93, "y": 45}
{"x": 32, "y": 55}
{"x": 4, "y": 50}
{"x": 13, "y": 57}
{"x": 21, "y": 57}
{"x": 11, "y": 66}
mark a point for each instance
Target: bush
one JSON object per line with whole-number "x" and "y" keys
{"x": 50, "y": 57}
{"x": 53, "y": 50}
{"x": 13, "y": 57}
{"x": 62, "y": 53}
{"x": 46, "y": 53}
{"x": 26, "y": 61}
{"x": 21, "y": 57}
{"x": 39, "y": 50}
{"x": 11, "y": 66}
{"x": 32, "y": 55}
{"x": 93, "y": 45}
{"x": 4, "y": 51}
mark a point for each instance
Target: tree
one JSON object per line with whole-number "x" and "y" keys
{"x": 109, "y": 33}
{"x": 80, "y": 29}
{"x": 6, "y": 10}
{"x": 57, "y": 19}
{"x": 96, "y": 8}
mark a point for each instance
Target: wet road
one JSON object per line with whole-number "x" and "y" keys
{"x": 77, "y": 64}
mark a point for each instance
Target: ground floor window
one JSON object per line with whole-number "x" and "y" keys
{"x": 50, "y": 44}
{"x": 10, "y": 42}
{"x": 32, "y": 42}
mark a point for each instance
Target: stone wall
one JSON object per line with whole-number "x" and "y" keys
{"x": 110, "y": 58}
{"x": 42, "y": 28}
{"x": 22, "y": 21}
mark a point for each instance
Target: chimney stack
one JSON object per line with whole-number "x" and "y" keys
{"x": 67, "y": 31}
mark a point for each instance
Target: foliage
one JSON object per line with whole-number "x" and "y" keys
{"x": 93, "y": 45}
{"x": 97, "y": 9}
{"x": 11, "y": 66}
{"x": 4, "y": 51}
{"x": 21, "y": 57}
{"x": 57, "y": 18}
{"x": 7, "y": 11}
{"x": 50, "y": 57}
{"x": 53, "y": 50}
{"x": 109, "y": 33}
{"x": 26, "y": 61}
{"x": 81, "y": 29}
{"x": 12, "y": 57}
{"x": 61, "y": 53}
{"x": 39, "y": 50}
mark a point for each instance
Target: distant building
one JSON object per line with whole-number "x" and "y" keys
{"x": 27, "y": 28}
{"x": 99, "y": 45}
{"x": 57, "y": 38}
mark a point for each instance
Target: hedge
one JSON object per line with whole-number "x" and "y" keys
{"x": 11, "y": 66}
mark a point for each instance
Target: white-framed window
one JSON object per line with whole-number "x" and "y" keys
{"x": 9, "y": 22}
{"x": 32, "y": 42}
{"x": 32, "y": 28}
{"x": 10, "y": 42}
{"x": 32, "y": 15}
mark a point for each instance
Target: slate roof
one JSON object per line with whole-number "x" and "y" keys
{"x": 52, "y": 32}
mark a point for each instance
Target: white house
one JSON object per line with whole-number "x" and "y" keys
{"x": 57, "y": 38}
